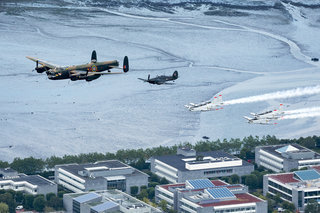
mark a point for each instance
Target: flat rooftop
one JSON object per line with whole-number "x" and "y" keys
{"x": 217, "y": 194}
{"x": 32, "y": 179}
{"x": 98, "y": 166}
{"x": 303, "y": 177}
{"x": 179, "y": 161}
{"x": 240, "y": 199}
{"x": 171, "y": 187}
{"x": 278, "y": 150}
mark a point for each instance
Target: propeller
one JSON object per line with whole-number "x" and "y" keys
{"x": 148, "y": 77}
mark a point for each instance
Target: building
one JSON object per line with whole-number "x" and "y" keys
{"x": 285, "y": 157}
{"x": 188, "y": 165}
{"x": 7, "y": 173}
{"x": 31, "y": 184}
{"x": 203, "y": 195}
{"x": 105, "y": 201}
{"x": 102, "y": 175}
{"x": 297, "y": 187}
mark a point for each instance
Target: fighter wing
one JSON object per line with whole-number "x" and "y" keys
{"x": 145, "y": 80}
{"x": 44, "y": 63}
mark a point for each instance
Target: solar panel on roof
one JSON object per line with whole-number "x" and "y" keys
{"x": 86, "y": 197}
{"x": 200, "y": 183}
{"x": 220, "y": 193}
{"x": 104, "y": 206}
{"x": 307, "y": 174}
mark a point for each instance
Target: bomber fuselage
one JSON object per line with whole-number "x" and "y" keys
{"x": 60, "y": 73}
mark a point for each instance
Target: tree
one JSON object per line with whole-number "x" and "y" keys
{"x": 4, "y": 208}
{"x": 50, "y": 195}
{"x": 39, "y": 203}
{"x": 7, "y": 198}
{"x": 19, "y": 197}
{"x": 134, "y": 190}
{"x": 288, "y": 206}
{"x": 163, "y": 180}
{"x": 312, "y": 207}
{"x": 55, "y": 203}
{"x": 251, "y": 181}
{"x": 234, "y": 179}
{"x": 28, "y": 201}
{"x": 143, "y": 194}
{"x": 163, "y": 205}
{"x": 28, "y": 165}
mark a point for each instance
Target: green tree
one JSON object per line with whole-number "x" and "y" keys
{"x": 288, "y": 206}
{"x": 19, "y": 197}
{"x": 163, "y": 205}
{"x": 4, "y": 208}
{"x": 134, "y": 190}
{"x": 39, "y": 203}
{"x": 143, "y": 194}
{"x": 7, "y": 198}
{"x": 251, "y": 181}
{"x": 234, "y": 179}
{"x": 55, "y": 203}
{"x": 312, "y": 207}
{"x": 151, "y": 193}
{"x": 50, "y": 195}
{"x": 163, "y": 180}
{"x": 28, "y": 201}
{"x": 28, "y": 165}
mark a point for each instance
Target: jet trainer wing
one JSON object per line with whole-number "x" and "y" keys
{"x": 44, "y": 63}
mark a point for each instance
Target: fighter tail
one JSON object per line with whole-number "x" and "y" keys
{"x": 125, "y": 64}
{"x": 175, "y": 75}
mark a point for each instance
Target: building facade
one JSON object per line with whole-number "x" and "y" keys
{"x": 204, "y": 196}
{"x": 105, "y": 201}
{"x": 188, "y": 165}
{"x": 103, "y": 175}
{"x": 285, "y": 157}
{"x": 297, "y": 187}
{"x": 31, "y": 184}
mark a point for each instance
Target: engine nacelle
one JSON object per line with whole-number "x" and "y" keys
{"x": 92, "y": 77}
{"x": 41, "y": 69}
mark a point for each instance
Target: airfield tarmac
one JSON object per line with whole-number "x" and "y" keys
{"x": 259, "y": 52}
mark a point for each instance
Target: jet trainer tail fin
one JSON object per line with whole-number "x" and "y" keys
{"x": 217, "y": 100}
{"x": 248, "y": 118}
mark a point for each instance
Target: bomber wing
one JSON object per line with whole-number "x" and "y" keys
{"x": 42, "y": 62}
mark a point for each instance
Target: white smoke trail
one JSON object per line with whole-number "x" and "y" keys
{"x": 303, "y": 110}
{"x": 301, "y": 115}
{"x": 276, "y": 95}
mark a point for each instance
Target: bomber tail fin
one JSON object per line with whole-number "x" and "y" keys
{"x": 93, "y": 56}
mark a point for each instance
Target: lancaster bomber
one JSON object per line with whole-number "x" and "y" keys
{"x": 88, "y": 72}
{"x": 162, "y": 79}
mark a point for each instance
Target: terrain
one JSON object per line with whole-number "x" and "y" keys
{"x": 235, "y": 50}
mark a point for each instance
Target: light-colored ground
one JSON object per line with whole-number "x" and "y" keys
{"x": 266, "y": 51}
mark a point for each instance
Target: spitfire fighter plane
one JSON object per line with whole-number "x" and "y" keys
{"x": 88, "y": 72}
{"x": 161, "y": 79}
{"x": 215, "y": 104}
